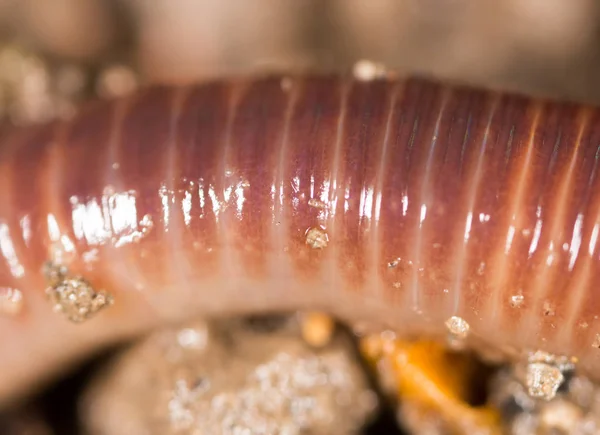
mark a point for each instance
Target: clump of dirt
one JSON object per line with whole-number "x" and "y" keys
{"x": 230, "y": 379}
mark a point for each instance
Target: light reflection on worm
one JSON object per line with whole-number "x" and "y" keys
{"x": 399, "y": 203}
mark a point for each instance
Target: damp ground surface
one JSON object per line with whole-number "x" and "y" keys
{"x": 61, "y": 409}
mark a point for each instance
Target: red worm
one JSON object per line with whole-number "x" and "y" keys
{"x": 400, "y": 203}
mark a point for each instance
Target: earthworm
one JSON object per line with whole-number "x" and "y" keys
{"x": 400, "y": 203}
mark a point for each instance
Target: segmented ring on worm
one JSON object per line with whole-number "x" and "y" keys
{"x": 403, "y": 203}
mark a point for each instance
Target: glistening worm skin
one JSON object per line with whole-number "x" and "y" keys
{"x": 418, "y": 202}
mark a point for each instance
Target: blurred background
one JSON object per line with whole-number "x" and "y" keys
{"x": 548, "y": 47}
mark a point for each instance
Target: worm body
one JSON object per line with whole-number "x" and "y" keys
{"x": 401, "y": 203}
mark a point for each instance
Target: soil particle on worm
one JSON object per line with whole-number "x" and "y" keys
{"x": 229, "y": 379}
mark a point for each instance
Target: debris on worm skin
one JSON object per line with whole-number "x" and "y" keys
{"x": 517, "y": 300}
{"x": 77, "y": 299}
{"x": 227, "y": 378}
{"x": 117, "y": 81}
{"x": 317, "y": 203}
{"x": 286, "y": 84}
{"x": 458, "y": 329}
{"x": 74, "y": 296}
{"x": 317, "y": 238}
{"x": 366, "y": 70}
